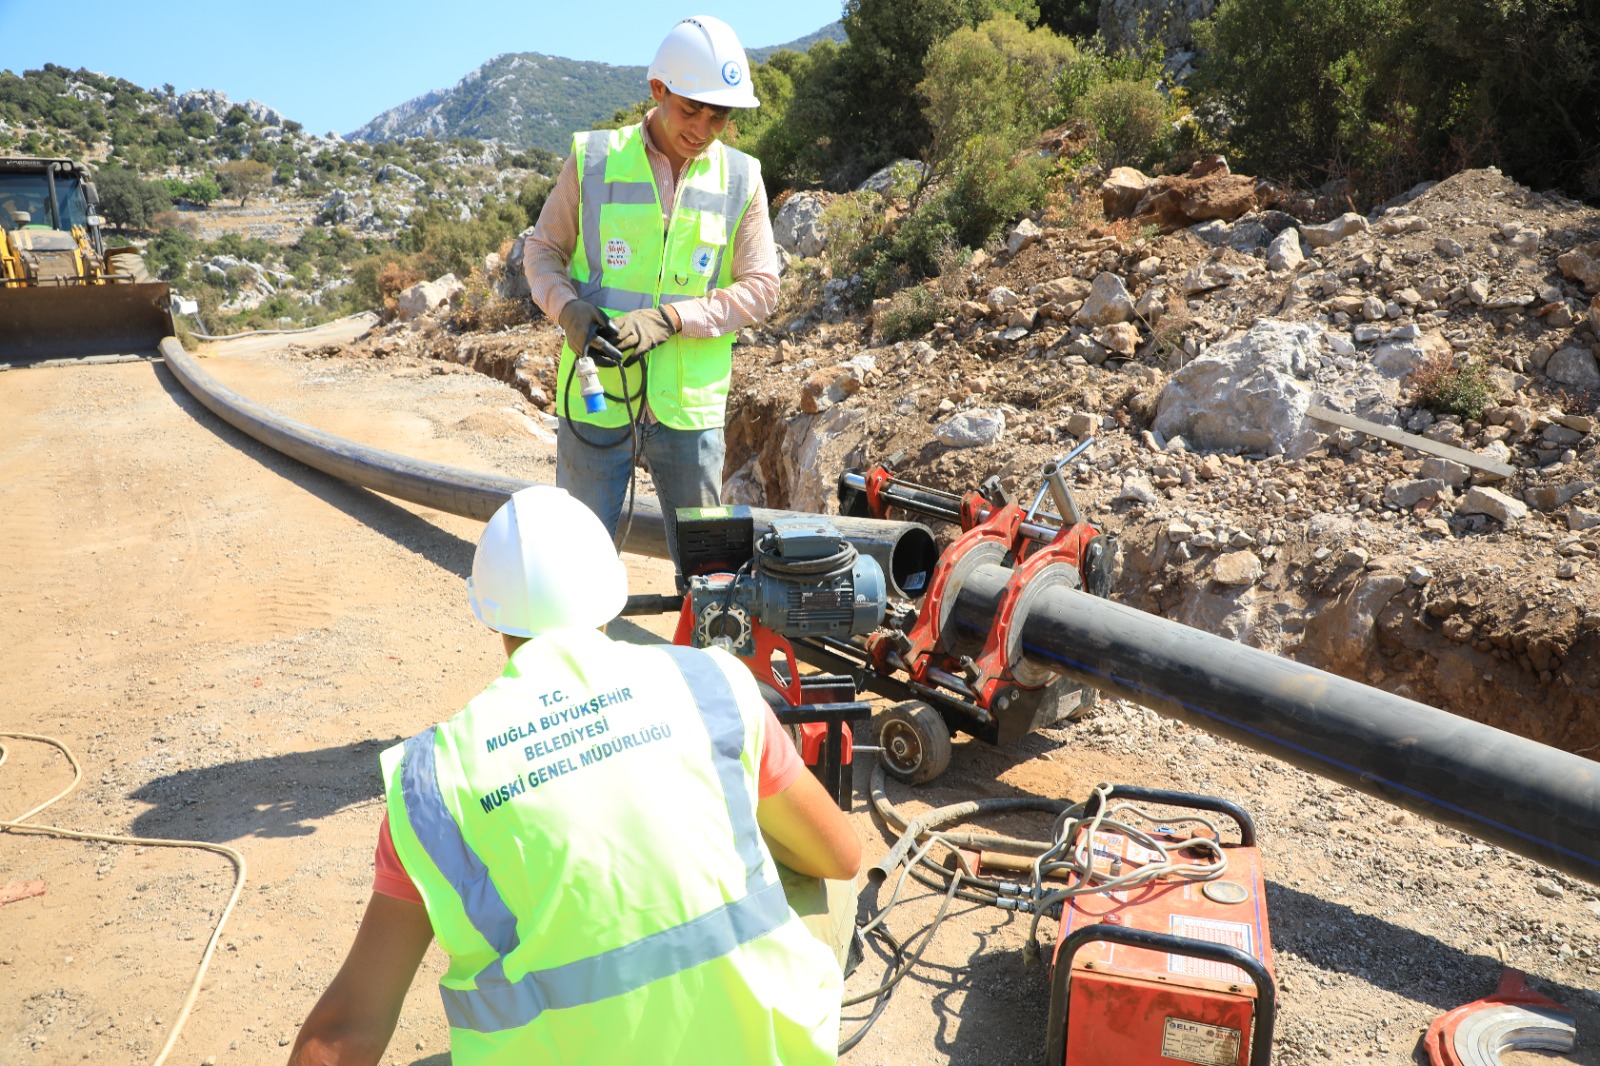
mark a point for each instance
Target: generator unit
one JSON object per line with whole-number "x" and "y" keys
{"x": 1171, "y": 971}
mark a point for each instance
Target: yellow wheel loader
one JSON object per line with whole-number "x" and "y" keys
{"x": 62, "y": 293}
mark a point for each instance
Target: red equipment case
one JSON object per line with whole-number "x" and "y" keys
{"x": 1173, "y": 971}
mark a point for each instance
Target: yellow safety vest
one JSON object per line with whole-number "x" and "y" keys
{"x": 583, "y": 835}
{"x": 624, "y": 262}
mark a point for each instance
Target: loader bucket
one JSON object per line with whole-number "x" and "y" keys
{"x": 71, "y": 321}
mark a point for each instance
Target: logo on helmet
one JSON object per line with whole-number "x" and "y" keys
{"x": 731, "y": 73}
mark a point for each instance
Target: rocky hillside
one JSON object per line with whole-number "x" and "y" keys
{"x": 529, "y": 100}
{"x": 524, "y": 100}
{"x": 1194, "y": 358}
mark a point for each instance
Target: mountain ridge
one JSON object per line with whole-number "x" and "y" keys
{"x": 533, "y": 100}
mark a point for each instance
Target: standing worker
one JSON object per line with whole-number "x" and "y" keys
{"x": 592, "y": 841}
{"x": 658, "y": 232}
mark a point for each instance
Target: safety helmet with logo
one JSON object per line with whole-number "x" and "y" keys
{"x": 545, "y": 562}
{"x": 703, "y": 60}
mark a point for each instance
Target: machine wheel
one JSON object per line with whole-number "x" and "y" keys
{"x": 915, "y": 741}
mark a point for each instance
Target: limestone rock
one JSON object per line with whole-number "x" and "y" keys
{"x": 1497, "y": 505}
{"x": 1131, "y": 24}
{"x": 427, "y": 296}
{"x": 1067, "y": 290}
{"x": 798, "y": 229}
{"x": 1582, "y": 264}
{"x": 972, "y": 429}
{"x": 1121, "y": 192}
{"x": 1345, "y": 633}
{"x": 1332, "y": 232}
{"x": 1237, "y": 568}
{"x": 1121, "y": 338}
{"x": 1551, "y": 497}
{"x": 1594, "y": 316}
{"x": 1284, "y": 251}
{"x": 1407, "y": 494}
{"x": 896, "y": 178}
{"x": 1108, "y": 302}
{"x": 1246, "y": 394}
{"x": 1575, "y": 367}
{"x": 1027, "y": 232}
{"x": 815, "y": 448}
{"x": 1208, "y": 190}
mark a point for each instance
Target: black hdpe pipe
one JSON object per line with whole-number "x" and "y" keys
{"x": 905, "y": 550}
{"x": 1527, "y": 797}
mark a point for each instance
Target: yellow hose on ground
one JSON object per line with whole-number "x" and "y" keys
{"x": 18, "y": 825}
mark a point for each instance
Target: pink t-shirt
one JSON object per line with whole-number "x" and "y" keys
{"x": 780, "y": 765}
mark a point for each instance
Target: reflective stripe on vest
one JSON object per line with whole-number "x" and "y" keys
{"x": 497, "y": 1004}
{"x": 595, "y": 192}
{"x": 620, "y": 219}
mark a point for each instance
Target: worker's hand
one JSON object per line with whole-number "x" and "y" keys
{"x": 581, "y": 321}
{"x": 643, "y": 330}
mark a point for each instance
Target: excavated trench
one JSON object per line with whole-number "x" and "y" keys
{"x": 1471, "y": 640}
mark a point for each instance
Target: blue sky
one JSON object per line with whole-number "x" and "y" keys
{"x": 334, "y": 64}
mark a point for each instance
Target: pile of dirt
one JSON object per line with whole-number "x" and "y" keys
{"x": 1359, "y": 563}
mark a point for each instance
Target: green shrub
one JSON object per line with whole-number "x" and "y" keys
{"x": 1446, "y": 386}
{"x": 1384, "y": 92}
{"x": 850, "y": 223}
{"x": 911, "y": 312}
{"x": 1132, "y": 123}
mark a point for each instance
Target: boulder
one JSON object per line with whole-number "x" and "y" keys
{"x": 1121, "y": 192}
{"x": 511, "y": 279}
{"x": 1575, "y": 367}
{"x": 815, "y": 448}
{"x": 1120, "y": 338}
{"x": 1284, "y": 251}
{"x": 1582, "y": 264}
{"x": 1497, "y": 505}
{"x": 1594, "y": 316}
{"x": 1067, "y": 290}
{"x": 1248, "y": 393}
{"x": 830, "y": 386}
{"x": 1237, "y": 568}
{"x": 797, "y": 228}
{"x": 1208, "y": 190}
{"x": 972, "y": 429}
{"x": 427, "y": 296}
{"x": 896, "y": 179}
{"x": 1331, "y": 232}
{"x": 1108, "y": 302}
{"x": 1027, "y": 232}
{"x": 1343, "y": 634}
{"x": 1407, "y": 494}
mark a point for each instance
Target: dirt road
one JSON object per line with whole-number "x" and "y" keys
{"x": 227, "y": 640}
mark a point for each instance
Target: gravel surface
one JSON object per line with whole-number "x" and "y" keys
{"x": 227, "y": 641}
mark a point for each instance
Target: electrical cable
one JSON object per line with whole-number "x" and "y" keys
{"x": 1071, "y": 852}
{"x": 19, "y": 825}
{"x": 614, "y": 358}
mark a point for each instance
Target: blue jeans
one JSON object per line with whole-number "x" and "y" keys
{"x": 686, "y": 465}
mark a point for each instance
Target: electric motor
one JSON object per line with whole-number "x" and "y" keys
{"x": 803, "y": 579}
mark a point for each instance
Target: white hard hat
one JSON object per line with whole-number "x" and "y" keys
{"x": 703, "y": 60}
{"x": 545, "y": 562}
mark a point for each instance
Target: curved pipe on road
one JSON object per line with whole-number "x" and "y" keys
{"x": 905, "y": 550}
{"x": 1532, "y": 799}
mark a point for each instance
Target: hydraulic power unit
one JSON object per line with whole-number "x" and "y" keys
{"x": 1175, "y": 970}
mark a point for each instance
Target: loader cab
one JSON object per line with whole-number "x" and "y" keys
{"x": 52, "y": 195}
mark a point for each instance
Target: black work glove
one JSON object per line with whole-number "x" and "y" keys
{"x": 581, "y": 321}
{"x": 643, "y": 330}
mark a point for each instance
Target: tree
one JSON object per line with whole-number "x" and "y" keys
{"x": 244, "y": 178}
{"x": 127, "y": 200}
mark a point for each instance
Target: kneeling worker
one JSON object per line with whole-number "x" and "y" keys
{"x": 592, "y": 843}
